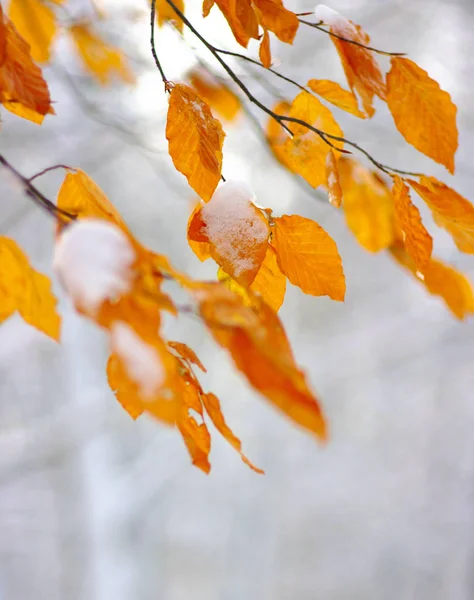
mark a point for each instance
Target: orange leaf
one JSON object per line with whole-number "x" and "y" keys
{"x": 255, "y": 338}
{"x": 213, "y": 409}
{"x": 241, "y": 18}
{"x": 308, "y": 256}
{"x": 165, "y": 13}
{"x": 215, "y": 92}
{"x": 36, "y": 23}
{"x": 306, "y": 152}
{"x": 187, "y": 354}
{"x": 200, "y": 249}
{"x": 236, "y": 230}
{"x": 206, "y": 7}
{"x": 23, "y": 90}
{"x": 441, "y": 280}
{"x": 332, "y": 178}
{"x": 450, "y": 211}
{"x": 418, "y": 242}
{"x": 264, "y": 51}
{"x": 276, "y": 135}
{"x": 423, "y": 113}
{"x": 335, "y": 94}
{"x": 197, "y": 440}
{"x": 368, "y": 206}
{"x": 101, "y": 60}
{"x": 195, "y": 140}
{"x": 25, "y": 290}
{"x": 277, "y": 19}
{"x": 360, "y": 65}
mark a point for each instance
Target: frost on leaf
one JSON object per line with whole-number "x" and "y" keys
{"x": 236, "y": 230}
{"x": 195, "y": 140}
{"x": 424, "y": 114}
{"x": 360, "y": 65}
{"x": 25, "y": 290}
{"x": 308, "y": 256}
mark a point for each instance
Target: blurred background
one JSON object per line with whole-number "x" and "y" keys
{"x": 94, "y": 506}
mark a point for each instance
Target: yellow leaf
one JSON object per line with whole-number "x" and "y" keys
{"x": 241, "y": 18}
{"x": 187, "y": 354}
{"x": 450, "y": 211}
{"x": 441, "y": 280}
{"x": 423, "y": 113}
{"x": 216, "y": 93}
{"x": 102, "y": 61}
{"x": 36, "y": 23}
{"x": 306, "y": 151}
{"x": 257, "y": 343}
{"x": 418, "y": 242}
{"x": 277, "y": 19}
{"x": 335, "y": 94}
{"x": 332, "y": 178}
{"x": 264, "y": 51}
{"x": 197, "y": 440}
{"x": 213, "y": 409}
{"x": 308, "y": 256}
{"x": 24, "y": 289}
{"x": 276, "y": 135}
{"x": 195, "y": 140}
{"x": 165, "y": 13}
{"x": 368, "y": 206}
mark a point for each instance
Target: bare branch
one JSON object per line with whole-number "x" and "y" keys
{"x": 152, "y": 42}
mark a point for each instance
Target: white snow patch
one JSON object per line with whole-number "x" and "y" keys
{"x": 232, "y": 224}
{"x": 93, "y": 260}
{"x": 327, "y": 15}
{"x": 141, "y": 361}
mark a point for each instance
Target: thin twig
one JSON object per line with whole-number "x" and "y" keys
{"x": 48, "y": 169}
{"x": 320, "y": 27}
{"x": 152, "y": 42}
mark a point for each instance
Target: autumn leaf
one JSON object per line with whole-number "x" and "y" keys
{"x": 187, "y": 354}
{"x": 423, "y": 113}
{"x": 195, "y": 140}
{"x": 335, "y": 94}
{"x": 235, "y": 229}
{"x": 440, "y": 280}
{"x": 241, "y": 18}
{"x": 277, "y": 19}
{"x": 216, "y": 93}
{"x": 200, "y": 249}
{"x": 306, "y": 151}
{"x": 450, "y": 211}
{"x": 418, "y": 242}
{"x": 197, "y": 439}
{"x": 165, "y": 13}
{"x": 23, "y": 90}
{"x": 257, "y": 343}
{"x": 206, "y": 7}
{"x": 103, "y": 62}
{"x": 25, "y": 290}
{"x": 368, "y": 206}
{"x": 276, "y": 135}
{"x": 360, "y": 65}
{"x": 308, "y": 256}
{"x": 264, "y": 51}
{"x": 36, "y": 23}
{"x": 332, "y": 180}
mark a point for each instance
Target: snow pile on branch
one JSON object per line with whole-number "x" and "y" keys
{"x": 141, "y": 361}
{"x": 93, "y": 261}
{"x": 327, "y": 15}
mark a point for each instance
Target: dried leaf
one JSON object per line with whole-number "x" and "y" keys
{"x": 368, "y": 206}
{"x": 306, "y": 151}
{"x": 264, "y": 51}
{"x": 187, "y": 354}
{"x": 423, "y": 113}
{"x": 450, "y": 211}
{"x": 36, "y": 23}
{"x": 332, "y": 179}
{"x": 103, "y": 62}
{"x": 308, "y": 256}
{"x": 25, "y": 290}
{"x": 216, "y": 93}
{"x": 241, "y": 18}
{"x": 335, "y": 94}
{"x": 195, "y": 140}
{"x": 441, "y": 280}
{"x": 418, "y": 242}
{"x": 165, "y": 13}
{"x": 277, "y": 19}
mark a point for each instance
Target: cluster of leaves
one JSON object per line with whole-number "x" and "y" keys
{"x": 255, "y": 250}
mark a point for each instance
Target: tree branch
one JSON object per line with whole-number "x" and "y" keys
{"x": 152, "y": 42}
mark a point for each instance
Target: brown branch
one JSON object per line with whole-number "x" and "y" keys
{"x": 48, "y": 169}
{"x": 152, "y": 43}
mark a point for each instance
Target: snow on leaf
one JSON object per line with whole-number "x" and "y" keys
{"x": 418, "y": 242}
{"x": 195, "y": 140}
{"x": 450, "y": 211}
{"x": 36, "y": 23}
{"x": 308, "y": 256}
{"x": 276, "y": 18}
{"x": 360, "y": 65}
{"x": 423, "y": 113}
{"x": 220, "y": 98}
{"x": 368, "y": 206}
{"x": 25, "y": 290}
{"x": 335, "y": 94}
{"x": 332, "y": 180}
{"x": 236, "y": 230}
{"x": 264, "y": 51}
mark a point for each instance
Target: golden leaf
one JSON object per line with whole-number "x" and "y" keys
{"x": 276, "y": 135}
{"x": 241, "y": 18}
{"x": 335, "y": 94}
{"x": 332, "y": 180}
{"x": 423, "y": 113}
{"x": 165, "y": 13}
{"x": 195, "y": 140}
{"x": 306, "y": 151}
{"x": 216, "y": 93}
{"x": 101, "y": 60}
{"x": 36, "y": 23}
{"x": 187, "y": 354}
{"x": 368, "y": 206}
{"x": 197, "y": 439}
{"x": 418, "y": 242}
{"x": 200, "y": 249}
{"x": 277, "y": 19}
{"x": 264, "y": 51}
{"x": 308, "y": 256}
{"x": 24, "y": 289}
{"x": 450, "y": 211}
{"x": 206, "y": 7}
